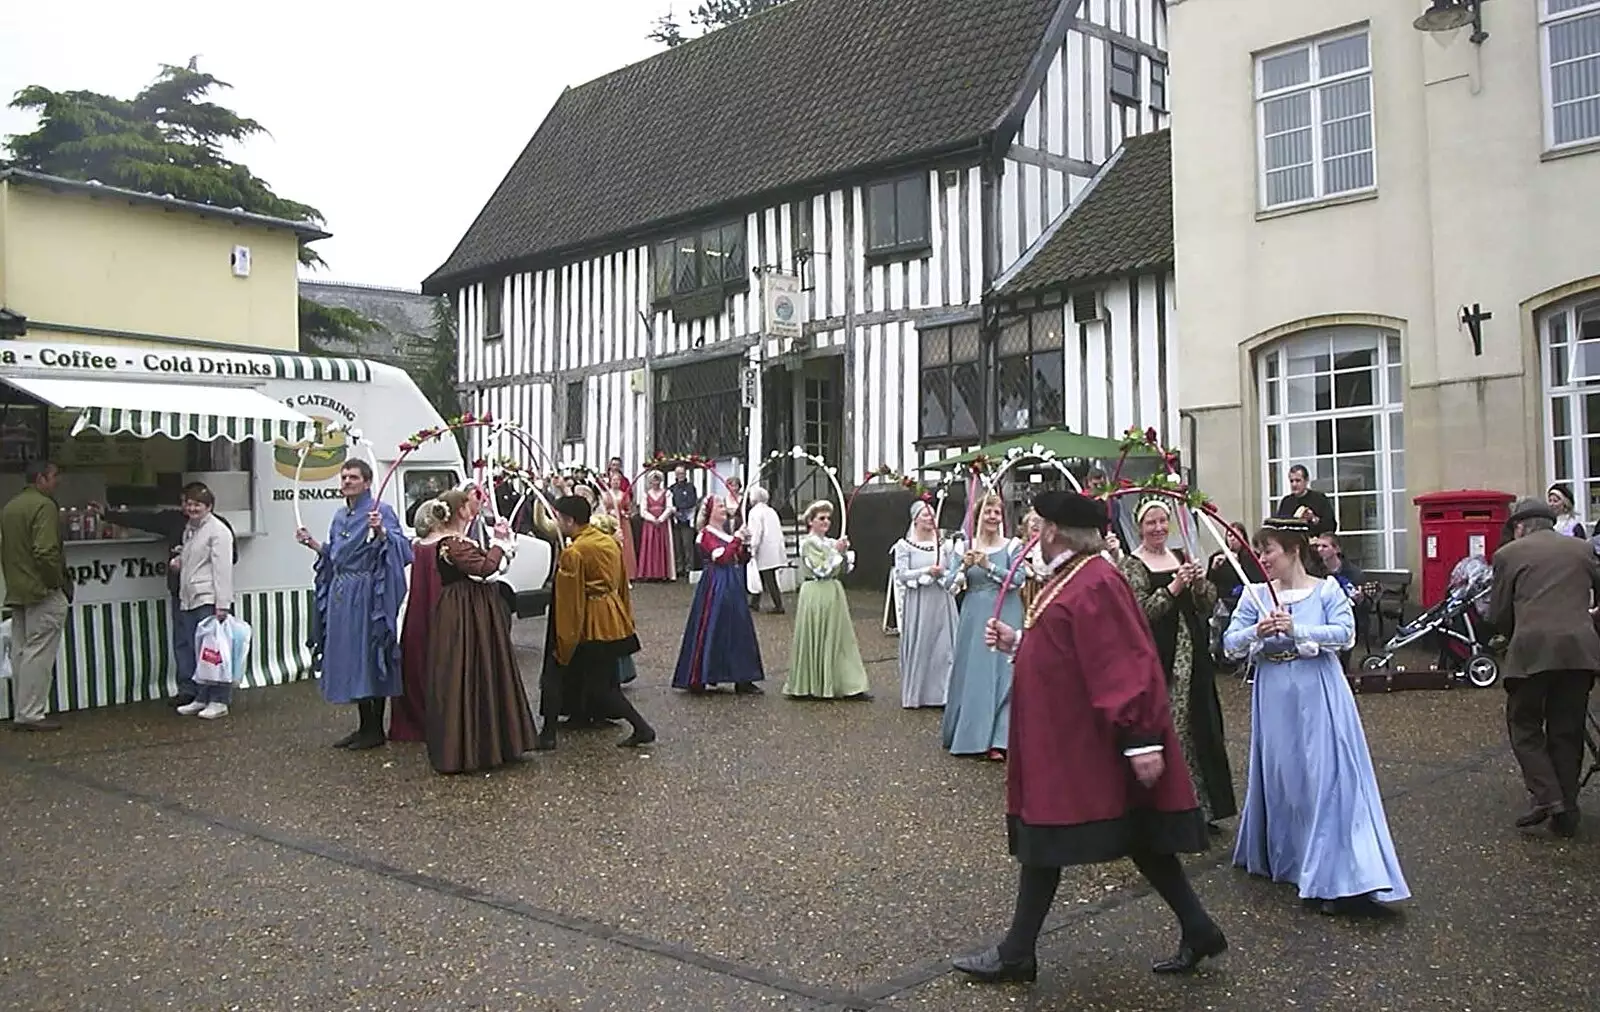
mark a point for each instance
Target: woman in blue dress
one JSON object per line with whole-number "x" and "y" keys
{"x": 719, "y": 641}
{"x": 1312, "y": 812}
{"x": 977, "y": 716}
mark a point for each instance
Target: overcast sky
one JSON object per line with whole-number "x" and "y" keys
{"x": 396, "y": 126}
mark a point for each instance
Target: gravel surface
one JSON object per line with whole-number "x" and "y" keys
{"x": 766, "y": 853}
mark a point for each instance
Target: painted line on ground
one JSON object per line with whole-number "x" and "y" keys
{"x": 583, "y": 926}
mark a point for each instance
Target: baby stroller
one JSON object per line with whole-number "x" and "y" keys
{"x": 1458, "y": 624}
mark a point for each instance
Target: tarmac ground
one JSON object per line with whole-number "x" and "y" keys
{"x": 765, "y": 854}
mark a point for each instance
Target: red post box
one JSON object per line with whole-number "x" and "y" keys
{"x": 1454, "y": 526}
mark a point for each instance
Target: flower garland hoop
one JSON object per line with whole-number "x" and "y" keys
{"x": 662, "y": 461}
{"x": 353, "y": 435}
{"x": 799, "y": 453}
{"x": 935, "y": 496}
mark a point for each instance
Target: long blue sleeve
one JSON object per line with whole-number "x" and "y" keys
{"x": 1339, "y": 631}
{"x": 1241, "y": 634}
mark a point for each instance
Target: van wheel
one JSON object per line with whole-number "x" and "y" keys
{"x": 1482, "y": 670}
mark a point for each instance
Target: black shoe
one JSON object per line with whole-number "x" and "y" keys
{"x": 1191, "y": 952}
{"x": 749, "y": 689}
{"x": 859, "y": 697}
{"x": 1358, "y": 906}
{"x": 370, "y": 738}
{"x": 1533, "y": 817}
{"x": 640, "y": 736}
{"x": 347, "y": 740}
{"x": 546, "y": 741}
{"x": 1564, "y": 824}
{"x": 184, "y": 699}
{"x": 989, "y": 967}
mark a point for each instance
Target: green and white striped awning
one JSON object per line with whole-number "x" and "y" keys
{"x": 308, "y": 367}
{"x": 173, "y": 410}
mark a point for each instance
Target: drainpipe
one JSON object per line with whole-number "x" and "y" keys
{"x": 1186, "y": 418}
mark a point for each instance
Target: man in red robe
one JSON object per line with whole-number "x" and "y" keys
{"x": 1094, "y": 772}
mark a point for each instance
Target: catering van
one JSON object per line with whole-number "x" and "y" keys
{"x": 130, "y": 425}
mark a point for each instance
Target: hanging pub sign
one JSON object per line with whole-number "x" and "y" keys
{"x": 780, "y": 299}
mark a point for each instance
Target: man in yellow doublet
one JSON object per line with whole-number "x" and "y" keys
{"x": 591, "y": 630}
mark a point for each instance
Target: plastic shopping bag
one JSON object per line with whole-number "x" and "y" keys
{"x": 5, "y": 649}
{"x": 220, "y": 650}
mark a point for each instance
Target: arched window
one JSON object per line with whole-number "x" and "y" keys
{"x": 1570, "y": 335}
{"x": 1331, "y": 399}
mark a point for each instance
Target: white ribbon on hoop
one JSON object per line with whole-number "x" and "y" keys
{"x": 354, "y": 436}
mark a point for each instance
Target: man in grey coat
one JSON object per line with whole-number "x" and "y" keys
{"x": 1545, "y": 588}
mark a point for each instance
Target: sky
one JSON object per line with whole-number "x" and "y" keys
{"x": 397, "y": 127}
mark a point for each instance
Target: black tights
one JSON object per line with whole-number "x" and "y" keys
{"x": 1036, "y": 891}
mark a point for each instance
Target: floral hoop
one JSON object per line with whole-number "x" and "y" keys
{"x": 354, "y": 436}
{"x": 934, "y": 496}
{"x": 662, "y": 461}
{"x": 463, "y": 422}
{"x": 800, "y": 453}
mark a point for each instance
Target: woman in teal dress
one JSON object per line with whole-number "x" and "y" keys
{"x": 825, "y": 662}
{"x": 977, "y": 716}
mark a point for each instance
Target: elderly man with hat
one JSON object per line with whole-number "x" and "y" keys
{"x": 1094, "y": 772}
{"x": 1545, "y": 585}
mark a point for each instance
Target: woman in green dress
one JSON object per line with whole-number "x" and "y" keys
{"x": 825, "y": 662}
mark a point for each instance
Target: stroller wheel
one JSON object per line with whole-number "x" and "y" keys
{"x": 1373, "y": 662}
{"x": 1482, "y": 670}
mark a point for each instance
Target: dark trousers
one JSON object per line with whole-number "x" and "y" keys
{"x": 683, "y": 547}
{"x": 769, "y": 583}
{"x": 1036, "y": 891}
{"x": 1544, "y": 716}
{"x": 588, "y": 689}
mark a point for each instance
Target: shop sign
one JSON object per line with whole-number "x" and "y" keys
{"x": 325, "y": 457}
{"x": 48, "y": 358}
{"x": 131, "y": 567}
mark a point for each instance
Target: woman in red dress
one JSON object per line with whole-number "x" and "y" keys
{"x": 619, "y": 503}
{"x": 655, "y": 539}
{"x": 406, "y": 720}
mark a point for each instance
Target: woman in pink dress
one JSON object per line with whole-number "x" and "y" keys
{"x": 406, "y": 720}
{"x": 655, "y": 536}
{"x": 619, "y": 504}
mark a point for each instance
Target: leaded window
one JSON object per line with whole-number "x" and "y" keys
{"x": 1029, "y": 373}
{"x": 951, "y": 384}
{"x": 575, "y": 422}
{"x": 494, "y": 297}
{"x": 699, "y": 408}
{"x": 709, "y": 259}
{"x": 1124, "y": 74}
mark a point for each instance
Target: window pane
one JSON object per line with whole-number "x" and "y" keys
{"x": 1274, "y": 397}
{"x": 1561, "y": 416}
{"x": 1325, "y": 444}
{"x": 936, "y": 346}
{"x": 1302, "y": 441}
{"x": 1124, "y": 59}
{"x": 1289, "y": 185}
{"x": 880, "y": 216}
{"x": 1591, "y": 448}
{"x": 661, "y": 269}
{"x": 1286, "y": 70}
{"x": 1355, "y": 435}
{"x": 1346, "y": 358}
{"x": 1011, "y": 394}
{"x": 1310, "y": 356}
{"x": 1563, "y": 454}
{"x": 1397, "y": 431}
{"x": 1356, "y": 473}
{"x": 732, "y": 241}
{"x": 1396, "y": 392}
{"x": 1286, "y": 114}
{"x": 1049, "y": 378}
{"x": 1013, "y": 339}
{"x": 1357, "y": 512}
{"x": 687, "y": 272}
{"x": 935, "y": 402}
{"x": 1365, "y": 550}
{"x": 1397, "y": 470}
{"x": 911, "y": 211}
{"x": 1303, "y": 394}
{"x": 711, "y": 257}
{"x": 966, "y": 400}
{"x": 1354, "y": 389}
{"x": 1588, "y": 318}
{"x": 1274, "y": 447}
{"x": 964, "y": 343}
{"x": 1343, "y": 175}
{"x": 1047, "y": 330}
{"x": 1342, "y": 56}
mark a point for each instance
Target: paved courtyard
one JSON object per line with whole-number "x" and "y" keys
{"x": 765, "y": 854}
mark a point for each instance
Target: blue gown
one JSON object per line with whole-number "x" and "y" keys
{"x": 359, "y": 587}
{"x": 1312, "y": 812}
{"x": 977, "y": 713}
{"x": 719, "y": 640}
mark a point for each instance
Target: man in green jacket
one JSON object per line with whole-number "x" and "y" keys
{"x": 38, "y": 591}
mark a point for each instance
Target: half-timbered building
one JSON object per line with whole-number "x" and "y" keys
{"x": 790, "y": 232}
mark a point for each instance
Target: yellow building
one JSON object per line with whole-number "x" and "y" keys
{"x": 98, "y": 264}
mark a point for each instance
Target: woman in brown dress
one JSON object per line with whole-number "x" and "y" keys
{"x": 477, "y": 714}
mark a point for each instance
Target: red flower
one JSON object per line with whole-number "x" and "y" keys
{"x": 466, "y": 419}
{"x": 479, "y": 463}
{"x": 488, "y": 419}
{"x": 1150, "y": 435}
{"x": 407, "y": 446}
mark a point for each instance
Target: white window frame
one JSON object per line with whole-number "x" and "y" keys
{"x": 1574, "y": 390}
{"x": 1547, "y": 21}
{"x": 1314, "y": 84}
{"x": 1390, "y": 402}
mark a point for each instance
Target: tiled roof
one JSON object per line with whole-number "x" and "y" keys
{"x": 804, "y": 92}
{"x": 1122, "y": 225}
{"x": 405, "y": 319}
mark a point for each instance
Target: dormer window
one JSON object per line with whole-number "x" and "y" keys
{"x": 709, "y": 261}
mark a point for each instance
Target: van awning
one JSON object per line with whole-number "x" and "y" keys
{"x": 236, "y": 414}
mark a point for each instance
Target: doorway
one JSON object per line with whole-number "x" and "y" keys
{"x": 802, "y": 406}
